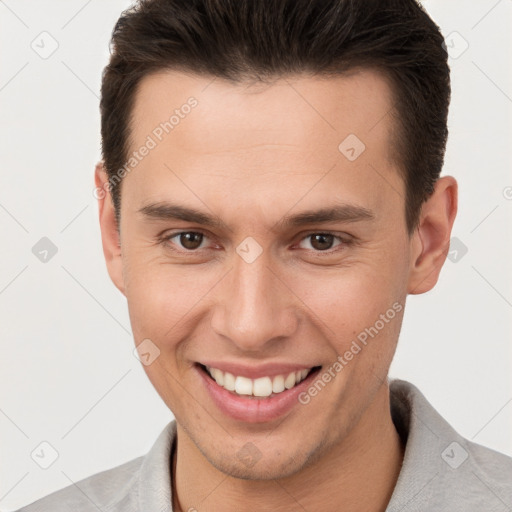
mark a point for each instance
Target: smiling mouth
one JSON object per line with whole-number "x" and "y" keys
{"x": 263, "y": 387}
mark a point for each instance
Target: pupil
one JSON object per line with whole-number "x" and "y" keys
{"x": 191, "y": 240}
{"x": 322, "y": 241}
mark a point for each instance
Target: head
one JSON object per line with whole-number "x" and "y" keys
{"x": 272, "y": 169}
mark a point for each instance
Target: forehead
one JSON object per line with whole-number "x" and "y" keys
{"x": 290, "y": 132}
{"x": 354, "y": 102}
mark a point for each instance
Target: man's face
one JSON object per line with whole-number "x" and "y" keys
{"x": 257, "y": 295}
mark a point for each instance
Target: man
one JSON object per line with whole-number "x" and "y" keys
{"x": 269, "y": 195}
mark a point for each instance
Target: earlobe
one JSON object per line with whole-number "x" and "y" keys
{"x": 110, "y": 237}
{"x": 431, "y": 241}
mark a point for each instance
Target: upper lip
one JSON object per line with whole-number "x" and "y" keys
{"x": 255, "y": 372}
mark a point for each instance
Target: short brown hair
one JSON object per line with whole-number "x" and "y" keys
{"x": 260, "y": 40}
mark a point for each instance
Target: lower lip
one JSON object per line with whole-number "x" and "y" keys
{"x": 254, "y": 409}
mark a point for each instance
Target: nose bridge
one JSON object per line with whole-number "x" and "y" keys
{"x": 255, "y": 307}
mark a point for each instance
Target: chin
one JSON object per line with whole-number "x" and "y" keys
{"x": 249, "y": 463}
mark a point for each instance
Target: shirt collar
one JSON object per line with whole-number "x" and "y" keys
{"x": 422, "y": 430}
{"x": 155, "y": 493}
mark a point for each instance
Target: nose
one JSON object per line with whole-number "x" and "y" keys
{"x": 254, "y": 308}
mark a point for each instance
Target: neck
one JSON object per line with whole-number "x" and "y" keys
{"x": 360, "y": 472}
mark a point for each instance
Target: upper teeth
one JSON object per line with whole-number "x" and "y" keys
{"x": 264, "y": 386}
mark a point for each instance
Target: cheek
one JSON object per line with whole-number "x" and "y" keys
{"x": 346, "y": 297}
{"x": 360, "y": 303}
{"x": 162, "y": 297}
{"x": 160, "y": 300}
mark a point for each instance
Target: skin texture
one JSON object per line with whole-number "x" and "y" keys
{"x": 250, "y": 155}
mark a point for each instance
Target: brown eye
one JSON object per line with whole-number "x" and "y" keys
{"x": 191, "y": 240}
{"x": 321, "y": 241}
{"x": 184, "y": 241}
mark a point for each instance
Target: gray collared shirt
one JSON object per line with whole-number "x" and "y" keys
{"x": 441, "y": 471}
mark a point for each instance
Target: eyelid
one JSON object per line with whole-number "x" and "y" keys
{"x": 166, "y": 236}
{"x": 336, "y": 234}
{"x": 344, "y": 239}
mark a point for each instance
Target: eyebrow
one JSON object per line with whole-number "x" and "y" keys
{"x": 337, "y": 213}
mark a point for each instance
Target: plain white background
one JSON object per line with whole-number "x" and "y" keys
{"x": 68, "y": 374}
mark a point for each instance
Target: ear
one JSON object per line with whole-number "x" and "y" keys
{"x": 110, "y": 236}
{"x": 430, "y": 242}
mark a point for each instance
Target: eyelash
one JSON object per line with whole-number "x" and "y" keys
{"x": 344, "y": 242}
